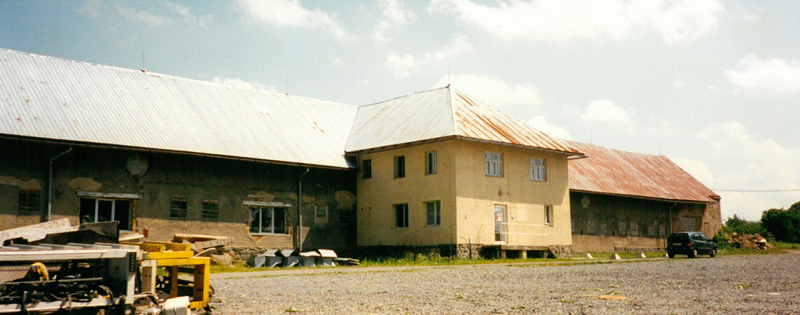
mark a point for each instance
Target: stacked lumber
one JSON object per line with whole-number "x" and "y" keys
{"x": 212, "y": 246}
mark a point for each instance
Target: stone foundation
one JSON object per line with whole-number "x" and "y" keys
{"x": 467, "y": 251}
{"x": 560, "y": 251}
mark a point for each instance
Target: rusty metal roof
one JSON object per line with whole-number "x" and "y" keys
{"x": 442, "y": 113}
{"x": 610, "y": 171}
{"x": 52, "y": 98}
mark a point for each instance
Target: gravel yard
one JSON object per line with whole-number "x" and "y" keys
{"x": 754, "y": 284}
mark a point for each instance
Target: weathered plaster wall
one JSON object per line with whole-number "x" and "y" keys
{"x": 614, "y": 223}
{"x": 170, "y": 176}
{"x": 377, "y": 195}
{"x": 525, "y": 199}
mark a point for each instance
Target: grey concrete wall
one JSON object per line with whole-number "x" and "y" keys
{"x": 24, "y": 165}
{"x": 620, "y": 215}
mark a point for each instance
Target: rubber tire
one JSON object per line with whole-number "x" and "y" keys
{"x": 670, "y": 254}
{"x": 693, "y": 253}
{"x": 713, "y": 252}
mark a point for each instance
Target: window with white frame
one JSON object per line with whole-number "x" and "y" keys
{"x": 106, "y": 210}
{"x": 430, "y": 162}
{"x": 433, "y": 213}
{"x": 494, "y": 164}
{"x": 401, "y": 215}
{"x": 538, "y": 170}
{"x": 548, "y": 214}
{"x": 267, "y": 220}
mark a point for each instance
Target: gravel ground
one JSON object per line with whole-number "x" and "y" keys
{"x": 754, "y": 284}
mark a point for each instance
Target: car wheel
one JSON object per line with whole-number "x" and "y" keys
{"x": 670, "y": 254}
{"x": 693, "y": 253}
{"x": 713, "y": 252}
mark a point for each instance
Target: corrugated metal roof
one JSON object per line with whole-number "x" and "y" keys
{"x": 610, "y": 171}
{"x": 53, "y": 98}
{"x": 442, "y": 113}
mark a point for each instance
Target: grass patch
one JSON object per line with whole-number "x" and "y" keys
{"x": 783, "y": 245}
{"x": 747, "y": 251}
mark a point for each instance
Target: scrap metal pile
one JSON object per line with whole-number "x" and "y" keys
{"x": 53, "y": 266}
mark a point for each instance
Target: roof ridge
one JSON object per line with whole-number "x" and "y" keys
{"x": 402, "y": 96}
{"x": 640, "y": 172}
{"x": 452, "y": 109}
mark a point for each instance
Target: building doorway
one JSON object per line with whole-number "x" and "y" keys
{"x": 500, "y": 223}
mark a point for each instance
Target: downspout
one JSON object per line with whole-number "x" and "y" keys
{"x": 299, "y": 226}
{"x": 670, "y": 218}
{"x": 50, "y": 184}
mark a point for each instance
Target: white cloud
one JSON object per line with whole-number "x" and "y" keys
{"x": 555, "y": 131}
{"x": 93, "y": 8}
{"x": 245, "y": 84}
{"x": 403, "y": 65}
{"x": 517, "y": 100}
{"x": 767, "y": 76}
{"x": 290, "y": 13}
{"x": 143, "y": 16}
{"x": 746, "y": 163}
{"x": 394, "y": 13}
{"x": 698, "y": 169}
{"x": 188, "y": 17}
{"x": 675, "y": 21}
{"x": 677, "y": 84}
{"x": 607, "y": 112}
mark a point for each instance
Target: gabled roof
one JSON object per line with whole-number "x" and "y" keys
{"x": 616, "y": 172}
{"x": 52, "y": 98}
{"x": 442, "y": 113}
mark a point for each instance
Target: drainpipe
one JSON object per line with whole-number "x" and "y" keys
{"x": 50, "y": 184}
{"x": 670, "y": 218}
{"x": 299, "y": 226}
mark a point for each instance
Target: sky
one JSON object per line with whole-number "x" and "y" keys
{"x": 712, "y": 85}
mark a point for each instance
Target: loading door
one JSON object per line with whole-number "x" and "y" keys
{"x": 500, "y": 223}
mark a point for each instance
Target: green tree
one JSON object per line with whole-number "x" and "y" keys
{"x": 742, "y": 226}
{"x": 783, "y": 224}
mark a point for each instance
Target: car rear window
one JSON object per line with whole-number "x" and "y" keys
{"x": 681, "y": 237}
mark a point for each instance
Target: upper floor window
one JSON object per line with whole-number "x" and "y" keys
{"x": 366, "y": 169}
{"x": 399, "y": 166}
{"x": 494, "y": 164}
{"x": 538, "y": 170}
{"x": 401, "y": 215}
{"x": 430, "y": 162}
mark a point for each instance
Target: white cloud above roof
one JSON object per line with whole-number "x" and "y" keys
{"x": 606, "y": 112}
{"x": 404, "y": 65}
{"x": 540, "y": 122}
{"x": 766, "y": 76}
{"x": 515, "y": 99}
{"x": 291, "y": 13}
{"x": 675, "y": 21}
{"x": 394, "y": 13}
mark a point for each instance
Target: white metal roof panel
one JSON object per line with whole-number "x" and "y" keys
{"x": 53, "y": 98}
{"x": 442, "y": 113}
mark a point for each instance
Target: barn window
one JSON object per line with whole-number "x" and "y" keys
{"x": 29, "y": 202}
{"x": 366, "y": 169}
{"x": 178, "y": 208}
{"x": 548, "y": 214}
{"x": 401, "y": 215}
{"x": 267, "y": 220}
{"x": 538, "y": 170}
{"x": 430, "y": 162}
{"x": 494, "y": 164}
{"x": 210, "y": 210}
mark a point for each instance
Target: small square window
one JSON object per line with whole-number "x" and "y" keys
{"x": 29, "y": 202}
{"x": 401, "y": 215}
{"x": 433, "y": 213}
{"x": 178, "y": 208}
{"x": 430, "y": 162}
{"x": 210, "y": 210}
{"x": 322, "y": 211}
{"x": 346, "y": 215}
{"x": 366, "y": 169}
{"x": 399, "y": 166}
{"x": 548, "y": 214}
{"x": 538, "y": 170}
{"x": 494, "y": 164}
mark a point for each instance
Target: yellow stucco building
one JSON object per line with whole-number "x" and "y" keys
{"x": 437, "y": 169}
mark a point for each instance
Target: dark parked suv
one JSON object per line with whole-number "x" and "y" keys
{"x": 691, "y": 244}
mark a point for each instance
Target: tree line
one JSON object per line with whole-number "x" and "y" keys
{"x": 783, "y": 224}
